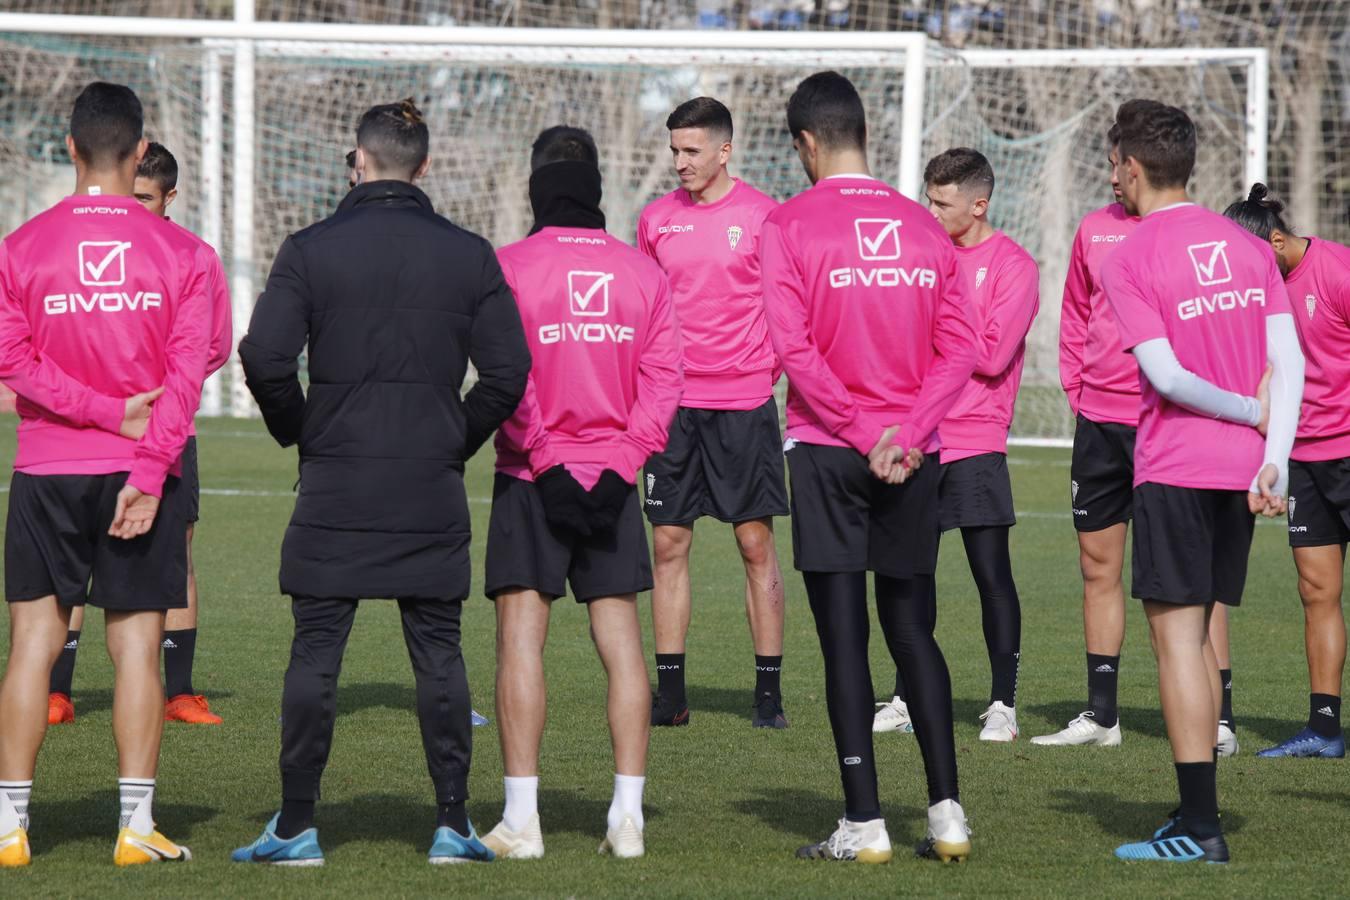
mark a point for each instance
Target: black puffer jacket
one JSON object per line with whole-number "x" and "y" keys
{"x": 394, "y": 302}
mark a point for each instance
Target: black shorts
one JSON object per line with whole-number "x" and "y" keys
{"x": 976, "y": 492}
{"x": 56, "y": 541}
{"x": 723, "y": 463}
{"x": 1101, "y": 476}
{"x": 192, "y": 485}
{"x": 526, "y": 553}
{"x": 1190, "y": 545}
{"x": 1319, "y": 503}
{"x": 845, "y": 520}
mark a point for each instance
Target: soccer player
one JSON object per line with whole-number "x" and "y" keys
{"x": 394, "y": 302}
{"x": 603, "y": 388}
{"x": 975, "y": 494}
{"x": 156, "y": 188}
{"x": 877, "y": 347}
{"x": 1200, "y": 304}
{"x": 1317, "y": 276}
{"x": 725, "y": 456}
{"x": 101, "y": 289}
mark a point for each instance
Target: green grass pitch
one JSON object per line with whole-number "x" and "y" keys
{"x": 726, "y": 805}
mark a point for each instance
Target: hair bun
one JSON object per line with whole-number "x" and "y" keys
{"x": 407, "y": 108}
{"x": 1258, "y": 193}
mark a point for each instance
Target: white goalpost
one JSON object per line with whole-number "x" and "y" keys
{"x": 260, "y": 115}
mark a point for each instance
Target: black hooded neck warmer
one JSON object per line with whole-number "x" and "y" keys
{"x": 566, "y": 195}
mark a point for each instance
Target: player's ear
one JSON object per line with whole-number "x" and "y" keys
{"x": 70, "y": 148}
{"x": 170, "y": 197}
{"x": 980, "y": 207}
{"x": 422, "y": 169}
{"x": 141, "y": 149}
{"x": 724, "y": 154}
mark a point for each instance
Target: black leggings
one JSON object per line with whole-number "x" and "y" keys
{"x": 907, "y": 610}
{"x": 1000, "y": 610}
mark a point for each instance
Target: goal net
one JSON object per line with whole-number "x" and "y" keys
{"x": 281, "y": 144}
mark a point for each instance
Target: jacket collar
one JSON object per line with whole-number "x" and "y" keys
{"x": 385, "y": 193}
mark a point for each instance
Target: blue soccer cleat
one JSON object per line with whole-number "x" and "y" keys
{"x": 1308, "y": 743}
{"x": 301, "y": 850}
{"x": 448, "y": 847}
{"x": 477, "y": 719}
{"x": 1173, "y": 843}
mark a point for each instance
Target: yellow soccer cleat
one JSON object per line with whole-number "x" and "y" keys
{"x": 14, "y": 849}
{"x": 134, "y": 849}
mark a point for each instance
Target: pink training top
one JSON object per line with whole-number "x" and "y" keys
{"x": 710, "y": 252}
{"x": 1006, "y": 292}
{"x": 868, "y": 312}
{"x": 1206, "y": 285}
{"x": 103, "y": 300}
{"x": 1101, "y": 382}
{"x": 1319, "y": 292}
{"x": 222, "y": 325}
{"x": 605, "y": 380}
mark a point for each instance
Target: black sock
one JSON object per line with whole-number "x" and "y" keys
{"x": 1226, "y": 711}
{"x": 1324, "y": 714}
{"x": 1199, "y": 798}
{"x": 296, "y": 816}
{"x": 180, "y": 647}
{"x": 767, "y": 672}
{"x": 1000, "y": 609}
{"x": 670, "y": 676}
{"x": 900, "y": 686}
{"x": 1103, "y": 671}
{"x": 63, "y": 673}
{"x": 452, "y": 815}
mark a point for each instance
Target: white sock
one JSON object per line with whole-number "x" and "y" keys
{"x": 522, "y": 800}
{"x": 14, "y": 805}
{"x": 627, "y": 800}
{"x": 138, "y": 795}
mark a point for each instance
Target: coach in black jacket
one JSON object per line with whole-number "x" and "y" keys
{"x": 394, "y": 301}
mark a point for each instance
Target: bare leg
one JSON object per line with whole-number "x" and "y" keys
{"x": 1102, "y": 558}
{"x": 37, "y": 632}
{"x": 138, "y": 694}
{"x": 522, "y": 628}
{"x": 1187, "y": 679}
{"x": 763, "y": 585}
{"x": 1320, "y": 576}
{"x": 670, "y": 591}
{"x": 618, "y": 639}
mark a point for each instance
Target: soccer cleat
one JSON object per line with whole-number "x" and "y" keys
{"x": 948, "y": 836}
{"x": 477, "y": 719}
{"x": 864, "y": 842}
{"x": 769, "y": 712}
{"x": 624, "y": 842}
{"x": 1308, "y": 743}
{"x": 60, "y": 709}
{"x": 527, "y": 843}
{"x": 449, "y": 847}
{"x": 1173, "y": 843}
{"x": 14, "y": 849}
{"x": 667, "y": 713}
{"x": 1227, "y": 743}
{"x": 134, "y": 849}
{"x": 1000, "y": 723}
{"x": 301, "y": 850}
{"x": 893, "y": 715}
{"x": 1081, "y": 732}
{"x": 191, "y": 709}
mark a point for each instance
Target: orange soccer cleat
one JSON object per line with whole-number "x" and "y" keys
{"x": 191, "y": 709}
{"x": 60, "y": 709}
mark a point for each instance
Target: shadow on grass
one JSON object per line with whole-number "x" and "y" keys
{"x": 353, "y": 698}
{"x": 1272, "y": 731}
{"x": 101, "y": 699}
{"x": 1138, "y": 719}
{"x": 733, "y": 701}
{"x": 1341, "y": 798}
{"x": 95, "y": 816}
{"x": 808, "y": 816}
{"x": 1122, "y": 818}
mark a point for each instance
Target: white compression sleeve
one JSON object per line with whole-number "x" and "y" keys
{"x": 1186, "y": 389}
{"x": 1286, "y": 395}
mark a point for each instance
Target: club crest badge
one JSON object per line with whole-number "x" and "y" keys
{"x": 734, "y": 235}
{"x": 979, "y": 276}
{"x": 1311, "y": 302}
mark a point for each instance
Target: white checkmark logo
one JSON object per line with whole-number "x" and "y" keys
{"x": 1211, "y": 262}
{"x": 581, "y": 300}
{"x": 870, "y": 247}
{"x": 93, "y": 266}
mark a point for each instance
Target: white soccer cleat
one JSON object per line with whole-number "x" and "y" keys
{"x": 1000, "y": 723}
{"x": 892, "y": 715}
{"x": 864, "y": 842}
{"x": 948, "y": 833}
{"x": 624, "y": 842}
{"x": 1227, "y": 742}
{"x": 1082, "y": 732}
{"x": 527, "y": 843}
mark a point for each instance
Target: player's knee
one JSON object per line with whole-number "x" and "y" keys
{"x": 756, "y": 546}
{"x": 1319, "y": 592}
{"x": 670, "y": 546}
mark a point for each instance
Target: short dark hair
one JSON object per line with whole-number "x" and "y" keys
{"x": 702, "y": 112}
{"x": 106, "y": 123}
{"x": 827, "y": 105}
{"x": 159, "y": 166}
{"x": 1260, "y": 213}
{"x": 1161, "y": 138}
{"x": 1113, "y": 135}
{"x": 563, "y": 143}
{"x": 963, "y": 167}
{"x": 351, "y": 159}
{"x": 395, "y": 137}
